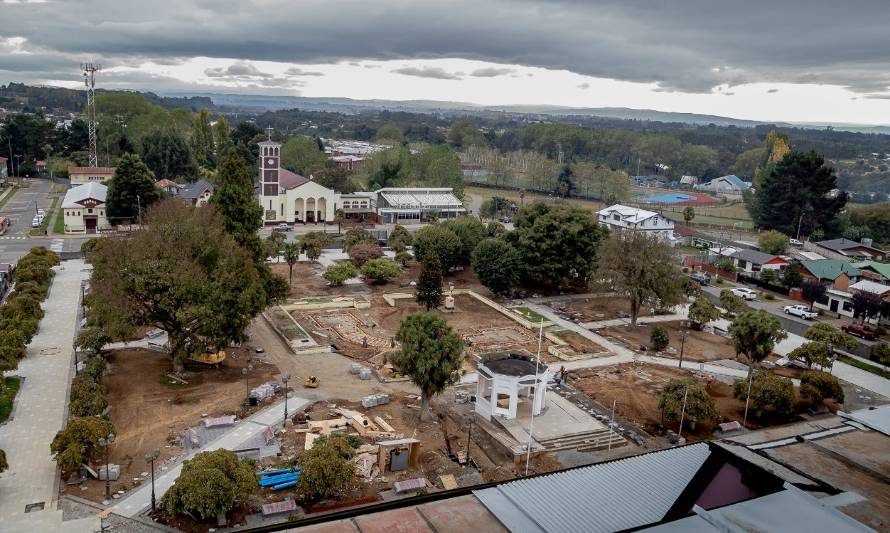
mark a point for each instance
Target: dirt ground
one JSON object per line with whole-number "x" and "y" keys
{"x": 596, "y": 309}
{"x": 148, "y": 410}
{"x": 579, "y": 343}
{"x": 636, "y": 394}
{"x": 700, "y": 345}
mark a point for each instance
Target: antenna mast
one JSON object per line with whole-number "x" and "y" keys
{"x": 89, "y": 79}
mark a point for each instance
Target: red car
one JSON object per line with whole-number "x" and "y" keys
{"x": 859, "y": 330}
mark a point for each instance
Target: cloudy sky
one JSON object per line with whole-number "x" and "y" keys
{"x": 790, "y": 60}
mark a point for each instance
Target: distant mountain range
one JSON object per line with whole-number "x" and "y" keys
{"x": 259, "y": 103}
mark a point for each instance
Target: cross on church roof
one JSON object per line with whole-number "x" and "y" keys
{"x": 269, "y": 132}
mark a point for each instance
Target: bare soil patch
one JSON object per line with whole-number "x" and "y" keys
{"x": 595, "y": 309}
{"x": 149, "y": 410}
{"x": 700, "y": 345}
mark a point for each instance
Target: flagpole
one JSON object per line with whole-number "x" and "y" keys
{"x": 528, "y": 452}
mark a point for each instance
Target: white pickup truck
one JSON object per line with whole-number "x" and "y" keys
{"x": 801, "y": 311}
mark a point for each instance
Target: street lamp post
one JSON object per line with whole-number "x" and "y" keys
{"x": 105, "y": 442}
{"x": 150, "y": 458}
{"x": 683, "y": 345}
{"x": 285, "y": 378}
{"x": 246, "y": 372}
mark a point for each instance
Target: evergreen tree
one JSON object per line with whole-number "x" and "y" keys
{"x": 222, "y": 136}
{"x": 797, "y": 194}
{"x": 131, "y": 188}
{"x": 202, "y": 139}
{"x": 429, "y": 284}
{"x": 234, "y": 199}
{"x": 168, "y": 156}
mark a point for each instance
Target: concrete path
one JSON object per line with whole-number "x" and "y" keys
{"x": 40, "y": 409}
{"x": 682, "y": 314}
{"x": 140, "y": 499}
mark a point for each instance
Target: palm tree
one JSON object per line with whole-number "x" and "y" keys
{"x": 291, "y": 251}
{"x": 339, "y": 215}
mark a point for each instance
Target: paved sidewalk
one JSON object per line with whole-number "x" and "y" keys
{"x": 40, "y": 408}
{"x": 245, "y": 430}
{"x": 682, "y": 314}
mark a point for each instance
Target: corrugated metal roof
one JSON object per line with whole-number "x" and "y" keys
{"x": 877, "y": 418}
{"x": 788, "y": 511}
{"x": 605, "y": 497}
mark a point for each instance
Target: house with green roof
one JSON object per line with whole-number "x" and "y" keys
{"x": 875, "y": 271}
{"x": 833, "y": 273}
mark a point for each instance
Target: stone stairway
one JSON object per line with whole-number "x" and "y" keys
{"x": 586, "y": 441}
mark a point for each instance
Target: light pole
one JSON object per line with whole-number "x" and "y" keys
{"x": 683, "y": 345}
{"x": 150, "y": 458}
{"x": 285, "y": 378}
{"x": 105, "y": 442}
{"x": 246, "y": 372}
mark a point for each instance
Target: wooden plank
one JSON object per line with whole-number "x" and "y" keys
{"x": 448, "y": 482}
{"x": 384, "y": 425}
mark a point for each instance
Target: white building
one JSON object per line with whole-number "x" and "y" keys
{"x": 398, "y": 204}
{"x": 84, "y": 208}
{"x": 510, "y": 385}
{"x": 622, "y": 217}
{"x": 288, "y": 197}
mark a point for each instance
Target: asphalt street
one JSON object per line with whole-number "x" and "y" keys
{"x": 20, "y": 209}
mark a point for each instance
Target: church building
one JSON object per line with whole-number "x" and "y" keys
{"x": 288, "y": 197}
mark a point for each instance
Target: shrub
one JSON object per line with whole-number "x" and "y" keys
{"x": 400, "y": 237}
{"x": 339, "y": 273}
{"x": 78, "y": 443}
{"x": 702, "y": 311}
{"x": 364, "y": 251}
{"x": 380, "y": 270}
{"x": 768, "y": 392}
{"x": 355, "y": 236}
{"x": 324, "y": 471}
{"x": 87, "y": 397}
{"x": 659, "y": 339}
{"x": 817, "y": 386}
{"x": 94, "y": 368}
{"x": 211, "y": 483}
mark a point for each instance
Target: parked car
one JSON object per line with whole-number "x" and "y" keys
{"x": 795, "y": 242}
{"x": 701, "y": 279}
{"x": 801, "y": 311}
{"x": 36, "y": 222}
{"x": 745, "y": 293}
{"x": 281, "y": 227}
{"x": 506, "y": 220}
{"x": 860, "y": 330}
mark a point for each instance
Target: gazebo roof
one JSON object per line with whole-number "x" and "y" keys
{"x": 514, "y": 365}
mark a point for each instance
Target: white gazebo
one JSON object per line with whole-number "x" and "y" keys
{"x": 506, "y": 383}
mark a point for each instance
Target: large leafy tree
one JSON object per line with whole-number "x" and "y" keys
{"x": 202, "y": 139}
{"x": 768, "y": 392}
{"x": 222, "y": 136}
{"x": 557, "y": 244}
{"x": 211, "y": 483}
{"x": 183, "y": 274}
{"x": 699, "y": 404}
{"x": 702, "y": 311}
{"x": 132, "y": 188}
{"x": 754, "y": 334}
{"x": 812, "y": 291}
{"x": 291, "y": 251}
{"x": 437, "y": 240}
{"x": 431, "y": 355}
{"x": 470, "y": 231}
{"x": 302, "y": 155}
{"x": 817, "y": 386}
{"x": 866, "y": 305}
{"x": 732, "y": 303}
{"x": 78, "y": 443}
{"x": 429, "y": 284}
{"x": 168, "y": 156}
{"x": 797, "y": 193}
{"x": 642, "y": 269}
{"x": 380, "y": 270}
{"x": 497, "y": 265}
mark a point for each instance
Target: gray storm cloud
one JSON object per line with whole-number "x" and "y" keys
{"x": 683, "y": 45}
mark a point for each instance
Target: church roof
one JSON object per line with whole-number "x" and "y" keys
{"x": 289, "y": 180}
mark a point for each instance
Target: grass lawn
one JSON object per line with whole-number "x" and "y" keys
{"x": 715, "y": 221}
{"x": 865, "y": 366}
{"x": 530, "y": 314}
{"x": 12, "y": 388}
{"x": 530, "y": 197}
{"x": 59, "y": 224}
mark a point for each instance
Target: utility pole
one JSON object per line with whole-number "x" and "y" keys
{"x": 682, "y": 347}
{"x": 89, "y": 80}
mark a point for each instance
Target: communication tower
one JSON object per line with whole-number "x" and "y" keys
{"x": 89, "y": 79}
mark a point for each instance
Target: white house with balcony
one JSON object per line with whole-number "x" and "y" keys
{"x": 621, "y": 217}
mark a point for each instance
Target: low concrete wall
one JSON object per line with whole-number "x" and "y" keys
{"x": 391, "y": 298}
{"x": 339, "y": 302}
{"x": 298, "y": 346}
